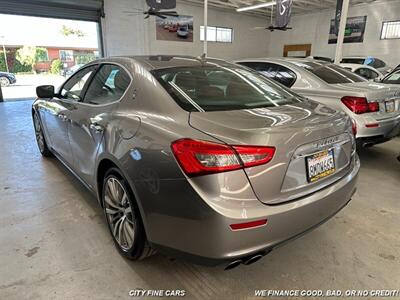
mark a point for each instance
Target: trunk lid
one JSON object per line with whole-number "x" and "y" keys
{"x": 387, "y": 95}
{"x": 296, "y": 131}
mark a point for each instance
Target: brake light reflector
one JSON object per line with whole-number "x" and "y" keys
{"x": 202, "y": 157}
{"x": 247, "y": 225}
{"x": 354, "y": 127}
{"x": 360, "y": 105}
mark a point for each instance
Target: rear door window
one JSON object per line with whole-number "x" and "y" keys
{"x": 108, "y": 85}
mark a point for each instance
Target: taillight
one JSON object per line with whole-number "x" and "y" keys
{"x": 360, "y": 105}
{"x": 202, "y": 157}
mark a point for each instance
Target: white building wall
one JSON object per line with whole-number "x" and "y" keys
{"x": 314, "y": 29}
{"x": 126, "y": 34}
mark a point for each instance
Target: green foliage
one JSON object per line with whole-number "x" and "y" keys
{"x": 2, "y": 62}
{"x": 41, "y": 55}
{"x": 14, "y": 65}
{"x": 84, "y": 59}
{"x": 67, "y": 31}
{"x": 20, "y": 68}
{"x": 56, "y": 66}
{"x": 27, "y": 55}
{"x": 30, "y": 55}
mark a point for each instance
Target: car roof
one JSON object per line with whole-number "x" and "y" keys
{"x": 153, "y": 62}
{"x": 294, "y": 60}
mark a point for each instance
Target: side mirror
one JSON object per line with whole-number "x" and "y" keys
{"x": 45, "y": 91}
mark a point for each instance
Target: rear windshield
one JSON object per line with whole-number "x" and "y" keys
{"x": 358, "y": 61}
{"x": 331, "y": 73}
{"x": 212, "y": 88}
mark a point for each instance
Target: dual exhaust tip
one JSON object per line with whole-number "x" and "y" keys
{"x": 246, "y": 261}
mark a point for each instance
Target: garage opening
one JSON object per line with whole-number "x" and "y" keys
{"x": 45, "y": 42}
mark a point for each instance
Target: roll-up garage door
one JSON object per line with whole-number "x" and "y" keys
{"x": 86, "y": 10}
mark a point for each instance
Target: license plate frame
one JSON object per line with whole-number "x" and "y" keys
{"x": 324, "y": 157}
{"x": 390, "y": 106}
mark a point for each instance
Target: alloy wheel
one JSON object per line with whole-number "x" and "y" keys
{"x": 39, "y": 134}
{"x": 119, "y": 213}
{"x": 4, "y": 81}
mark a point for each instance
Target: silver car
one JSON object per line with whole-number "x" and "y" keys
{"x": 198, "y": 158}
{"x": 373, "y": 107}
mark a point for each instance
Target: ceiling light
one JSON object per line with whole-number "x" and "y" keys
{"x": 256, "y": 6}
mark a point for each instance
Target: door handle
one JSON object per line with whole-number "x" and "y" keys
{"x": 96, "y": 127}
{"x": 62, "y": 117}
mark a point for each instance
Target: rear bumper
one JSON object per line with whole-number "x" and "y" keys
{"x": 211, "y": 241}
{"x": 385, "y": 130}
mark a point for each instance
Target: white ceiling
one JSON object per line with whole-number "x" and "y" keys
{"x": 299, "y": 6}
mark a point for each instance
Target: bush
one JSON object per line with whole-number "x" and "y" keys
{"x": 20, "y": 68}
{"x": 56, "y": 66}
{"x": 84, "y": 59}
{"x": 13, "y": 64}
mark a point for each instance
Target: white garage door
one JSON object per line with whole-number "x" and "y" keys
{"x": 87, "y": 10}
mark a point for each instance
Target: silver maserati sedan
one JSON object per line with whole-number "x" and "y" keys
{"x": 198, "y": 158}
{"x": 373, "y": 107}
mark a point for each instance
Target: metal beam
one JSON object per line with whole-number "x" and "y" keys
{"x": 342, "y": 28}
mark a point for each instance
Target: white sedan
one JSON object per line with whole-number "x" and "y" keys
{"x": 365, "y": 71}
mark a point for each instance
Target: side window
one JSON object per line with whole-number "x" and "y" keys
{"x": 73, "y": 88}
{"x": 108, "y": 85}
{"x": 393, "y": 78}
{"x": 377, "y": 63}
{"x": 366, "y": 73}
{"x": 285, "y": 76}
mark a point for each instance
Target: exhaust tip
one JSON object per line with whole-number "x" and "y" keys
{"x": 253, "y": 259}
{"x": 233, "y": 264}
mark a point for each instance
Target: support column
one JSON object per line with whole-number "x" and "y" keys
{"x": 342, "y": 28}
{"x": 205, "y": 27}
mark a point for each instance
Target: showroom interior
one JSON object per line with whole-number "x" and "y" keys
{"x": 58, "y": 239}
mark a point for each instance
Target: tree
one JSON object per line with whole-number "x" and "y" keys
{"x": 67, "y": 31}
{"x": 30, "y": 55}
{"x": 56, "y": 66}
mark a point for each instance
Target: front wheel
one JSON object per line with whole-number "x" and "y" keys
{"x": 123, "y": 217}
{"x": 4, "y": 81}
{"x": 40, "y": 139}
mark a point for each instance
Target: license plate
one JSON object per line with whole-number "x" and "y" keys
{"x": 320, "y": 165}
{"x": 389, "y": 106}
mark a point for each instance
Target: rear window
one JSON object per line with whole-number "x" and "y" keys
{"x": 358, "y": 61}
{"x": 213, "y": 88}
{"x": 331, "y": 73}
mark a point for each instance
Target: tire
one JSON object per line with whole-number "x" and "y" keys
{"x": 40, "y": 138}
{"x": 4, "y": 81}
{"x": 123, "y": 217}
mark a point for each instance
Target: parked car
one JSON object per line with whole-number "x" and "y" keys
{"x": 198, "y": 158}
{"x": 392, "y": 78}
{"x": 374, "y": 62}
{"x": 7, "y": 78}
{"x": 328, "y": 59}
{"x": 374, "y": 107}
{"x": 73, "y": 69}
{"x": 365, "y": 71}
{"x": 173, "y": 28}
{"x": 183, "y": 31}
